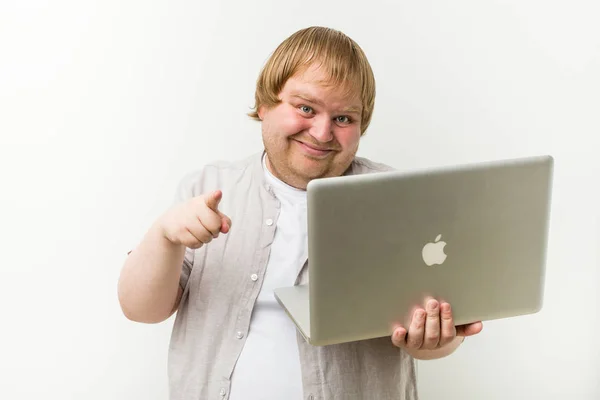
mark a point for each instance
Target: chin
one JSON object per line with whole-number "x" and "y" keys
{"x": 307, "y": 173}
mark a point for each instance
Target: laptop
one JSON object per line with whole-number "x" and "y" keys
{"x": 474, "y": 235}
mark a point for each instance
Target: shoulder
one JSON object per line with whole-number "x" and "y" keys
{"x": 363, "y": 165}
{"x": 215, "y": 175}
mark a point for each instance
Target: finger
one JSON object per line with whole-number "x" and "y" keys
{"x": 469, "y": 329}
{"x": 200, "y": 233}
{"x": 399, "y": 337}
{"x": 188, "y": 239}
{"x": 414, "y": 338}
{"x": 225, "y": 223}
{"x": 432, "y": 325}
{"x": 213, "y": 200}
{"x": 210, "y": 220}
{"x": 448, "y": 331}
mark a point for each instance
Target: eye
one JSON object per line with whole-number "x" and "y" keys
{"x": 343, "y": 119}
{"x": 306, "y": 109}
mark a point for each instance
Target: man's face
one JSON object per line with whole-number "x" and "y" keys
{"x": 313, "y": 133}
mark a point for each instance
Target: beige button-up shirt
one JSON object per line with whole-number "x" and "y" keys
{"x": 221, "y": 282}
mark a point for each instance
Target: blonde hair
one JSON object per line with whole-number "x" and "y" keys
{"x": 341, "y": 57}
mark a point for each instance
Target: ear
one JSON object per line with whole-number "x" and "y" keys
{"x": 261, "y": 112}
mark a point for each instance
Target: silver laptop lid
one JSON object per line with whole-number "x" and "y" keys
{"x": 371, "y": 238}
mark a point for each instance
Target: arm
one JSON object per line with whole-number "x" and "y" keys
{"x": 148, "y": 287}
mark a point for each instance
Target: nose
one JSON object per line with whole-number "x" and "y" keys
{"x": 322, "y": 129}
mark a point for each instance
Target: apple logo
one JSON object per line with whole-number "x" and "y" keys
{"x": 433, "y": 253}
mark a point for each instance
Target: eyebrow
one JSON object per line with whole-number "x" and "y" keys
{"x": 305, "y": 97}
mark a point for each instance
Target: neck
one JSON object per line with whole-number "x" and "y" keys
{"x": 294, "y": 182}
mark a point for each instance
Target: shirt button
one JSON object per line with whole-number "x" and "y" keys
{"x": 239, "y": 335}
{"x": 269, "y": 222}
{"x": 311, "y": 397}
{"x": 222, "y": 392}
{"x": 254, "y": 277}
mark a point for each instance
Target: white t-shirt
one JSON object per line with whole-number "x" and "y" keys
{"x": 269, "y": 365}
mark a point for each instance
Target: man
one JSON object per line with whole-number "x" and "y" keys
{"x": 239, "y": 230}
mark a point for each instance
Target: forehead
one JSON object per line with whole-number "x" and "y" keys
{"x": 314, "y": 83}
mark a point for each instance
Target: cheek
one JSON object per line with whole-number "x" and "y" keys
{"x": 292, "y": 124}
{"x": 348, "y": 138}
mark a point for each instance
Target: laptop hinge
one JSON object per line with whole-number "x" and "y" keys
{"x": 300, "y": 271}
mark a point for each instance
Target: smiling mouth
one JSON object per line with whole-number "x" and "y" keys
{"x": 314, "y": 151}
{"x": 314, "y": 147}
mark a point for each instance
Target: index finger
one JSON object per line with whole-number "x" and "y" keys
{"x": 213, "y": 200}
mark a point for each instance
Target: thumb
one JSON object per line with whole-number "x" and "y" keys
{"x": 213, "y": 200}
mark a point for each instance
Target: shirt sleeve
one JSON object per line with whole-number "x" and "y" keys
{"x": 186, "y": 268}
{"x": 187, "y": 188}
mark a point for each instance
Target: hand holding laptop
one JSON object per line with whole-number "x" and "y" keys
{"x": 432, "y": 328}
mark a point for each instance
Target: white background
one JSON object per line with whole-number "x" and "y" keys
{"x": 104, "y": 105}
